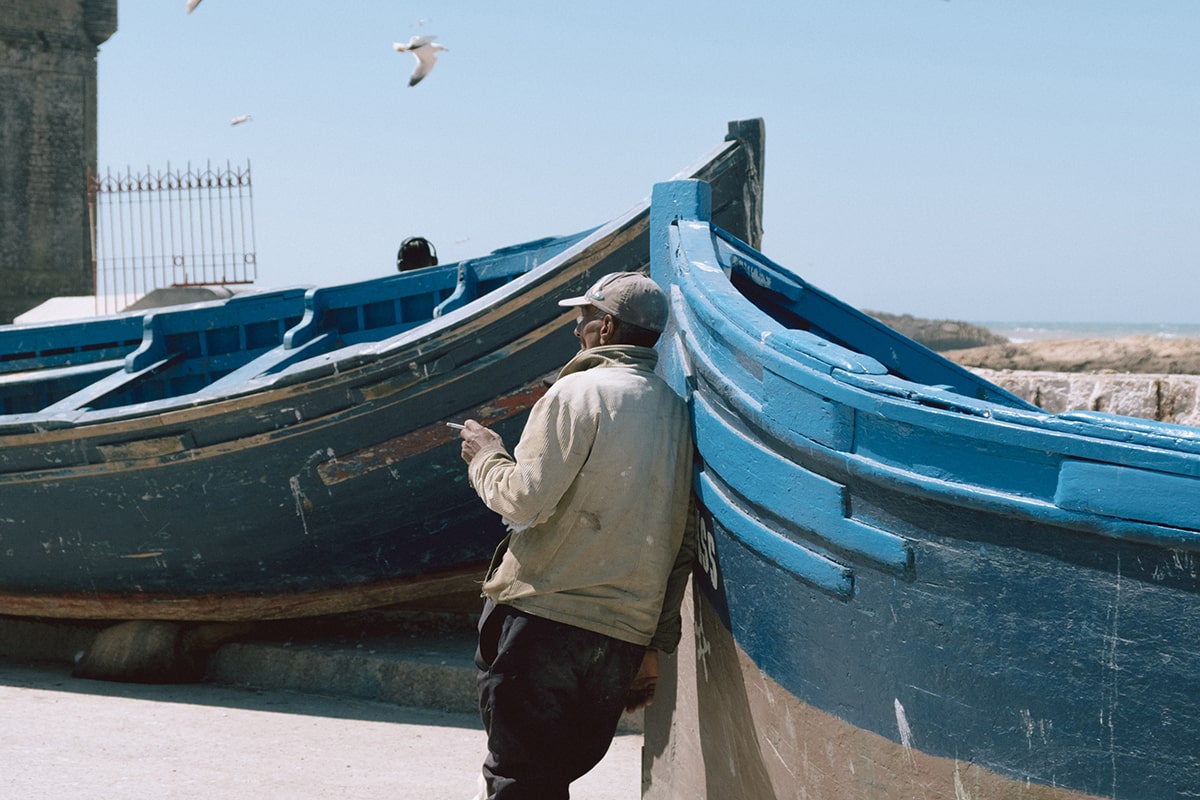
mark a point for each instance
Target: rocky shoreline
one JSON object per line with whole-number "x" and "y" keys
{"x": 940, "y": 334}
{"x": 977, "y": 347}
{"x": 1138, "y": 376}
{"x": 1131, "y": 355}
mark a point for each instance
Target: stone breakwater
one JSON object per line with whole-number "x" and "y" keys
{"x": 1137, "y": 376}
{"x": 1166, "y": 398}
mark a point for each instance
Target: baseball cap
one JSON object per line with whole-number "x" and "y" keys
{"x": 629, "y": 296}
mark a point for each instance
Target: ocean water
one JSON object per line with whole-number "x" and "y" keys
{"x": 1038, "y": 331}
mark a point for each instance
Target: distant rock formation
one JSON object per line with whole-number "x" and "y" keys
{"x": 939, "y": 334}
{"x": 1133, "y": 354}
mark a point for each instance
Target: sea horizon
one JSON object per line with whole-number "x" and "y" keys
{"x": 1019, "y": 332}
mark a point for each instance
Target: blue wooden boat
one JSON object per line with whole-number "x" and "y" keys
{"x": 913, "y": 584}
{"x": 284, "y": 454}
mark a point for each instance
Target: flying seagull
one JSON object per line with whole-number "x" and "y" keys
{"x": 425, "y": 50}
{"x": 191, "y": 5}
{"x": 241, "y": 119}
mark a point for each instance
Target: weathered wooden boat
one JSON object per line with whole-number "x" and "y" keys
{"x": 913, "y": 583}
{"x": 284, "y": 454}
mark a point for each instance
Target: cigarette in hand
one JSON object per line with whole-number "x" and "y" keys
{"x": 455, "y": 425}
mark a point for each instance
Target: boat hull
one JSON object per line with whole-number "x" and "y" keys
{"x": 316, "y": 486}
{"x": 907, "y": 590}
{"x": 1001, "y": 668}
{"x": 769, "y": 743}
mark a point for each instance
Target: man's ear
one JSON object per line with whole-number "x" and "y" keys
{"x": 608, "y": 329}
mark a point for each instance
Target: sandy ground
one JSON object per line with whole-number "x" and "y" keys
{"x": 62, "y": 737}
{"x": 1134, "y": 354}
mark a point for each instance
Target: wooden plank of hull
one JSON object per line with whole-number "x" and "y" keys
{"x": 281, "y": 514}
{"x": 244, "y": 607}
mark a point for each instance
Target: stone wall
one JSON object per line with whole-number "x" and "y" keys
{"x": 1166, "y": 398}
{"x": 47, "y": 143}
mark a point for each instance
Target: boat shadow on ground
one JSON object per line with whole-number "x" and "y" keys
{"x": 383, "y": 665}
{"x": 56, "y": 678}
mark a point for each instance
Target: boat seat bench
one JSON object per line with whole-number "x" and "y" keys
{"x": 480, "y": 276}
{"x": 29, "y": 392}
{"x": 184, "y": 349}
{"x": 68, "y": 345}
{"x": 358, "y": 311}
{"x": 210, "y": 348}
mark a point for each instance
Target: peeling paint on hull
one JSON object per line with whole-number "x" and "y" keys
{"x": 722, "y": 728}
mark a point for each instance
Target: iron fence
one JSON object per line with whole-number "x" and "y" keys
{"x": 189, "y": 227}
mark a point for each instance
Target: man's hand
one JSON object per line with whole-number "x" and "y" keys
{"x": 641, "y": 691}
{"x": 474, "y": 437}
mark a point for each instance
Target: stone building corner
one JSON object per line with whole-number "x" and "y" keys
{"x": 48, "y": 96}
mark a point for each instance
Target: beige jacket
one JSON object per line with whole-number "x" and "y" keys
{"x": 596, "y": 496}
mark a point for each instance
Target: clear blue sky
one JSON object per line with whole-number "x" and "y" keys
{"x": 1022, "y": 160}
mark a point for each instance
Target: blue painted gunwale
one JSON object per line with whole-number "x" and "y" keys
{"x": 279, "y": 486}
{"x": 877, "y": 540}
{"x": 188, "y": 354}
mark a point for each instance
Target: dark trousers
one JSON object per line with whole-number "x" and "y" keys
{"x": 550, "y": 696}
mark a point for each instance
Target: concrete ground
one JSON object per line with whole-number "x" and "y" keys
{"x": 344, "y": 709}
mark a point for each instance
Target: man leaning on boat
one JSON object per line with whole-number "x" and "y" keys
{"x": 586, "y": 588}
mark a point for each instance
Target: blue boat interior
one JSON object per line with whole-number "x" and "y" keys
{"x": 875, "y": 358}
{"x": 208, "y": 349}
{"x": 799, "y": 306}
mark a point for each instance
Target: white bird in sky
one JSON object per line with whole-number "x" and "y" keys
{"x": 241, "y": 119}
{"x": 191, "y": 5}
{"x": 425, "y": 50}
